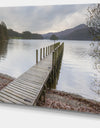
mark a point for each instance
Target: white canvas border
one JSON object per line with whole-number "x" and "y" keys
{"x": 23, "y": 117}
{"x": 5, "y": 3}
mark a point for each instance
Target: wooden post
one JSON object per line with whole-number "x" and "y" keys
{"x": 41, "y": 54}
{"x": 57, "y": 54}
{"x": 54, "y": 46}
{"x": 46, "y": 51}
{"x": 36, "y": 56}
{"x": 50, "y": 49}
{"x": 53, "y": 59}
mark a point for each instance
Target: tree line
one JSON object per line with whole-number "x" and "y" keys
{"x": 24, "y": 35}
{"x": 6, "y": 34}
{"x": 3, "y": 31}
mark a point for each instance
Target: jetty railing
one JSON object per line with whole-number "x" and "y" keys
{"x": 56, "y": 51}
{"x": 45, "y": 51}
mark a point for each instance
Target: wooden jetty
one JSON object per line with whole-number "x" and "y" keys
{"x": 28, "y": 88}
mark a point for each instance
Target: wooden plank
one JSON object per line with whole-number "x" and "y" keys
{"x": 41, "y": 71}
{"x": 20, "y": 92}
{"x": 31, "y": 77}
{"x": 46, "y": 62}
{"x": 43, "y": 63}
{"x": 17, "y": 95}
{"x": 35, "y": 70}
{"x": 22, "y": 100}
{"x": 25, "y": 89}
{"x": 41, "y": 81}
{"x": 8, "y": 99}
{"x": 25, "y": 86}
{"x": 35, "y": 74}
{"x": 31, "y": 85}
{"x": 3, "y": 99}
{"x": 32, "y": 81}
{"x": 38, "y": 72}
{"x": 35, "y": 85}
{"x": 44, "y": 68}
{"x": 39, "y": 68}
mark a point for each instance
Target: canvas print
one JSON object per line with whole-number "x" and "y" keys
{"x": 50, "y": 56}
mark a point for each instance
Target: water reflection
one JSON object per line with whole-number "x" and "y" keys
{"x": 77, "y": 72}
{"x": 57, "y": 74}
{"x": 20, "y": 55}
{"x": 54, "y": 76}
{"x": 3, "y": 49}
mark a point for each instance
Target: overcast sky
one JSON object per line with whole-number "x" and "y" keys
{"x": 43, "y": 19}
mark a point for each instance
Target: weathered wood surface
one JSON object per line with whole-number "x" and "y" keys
{"x": 27, "y": 88}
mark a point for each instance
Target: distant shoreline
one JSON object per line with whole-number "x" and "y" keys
{"x": 60, "y": 100}
{"x": 49, "y": 39}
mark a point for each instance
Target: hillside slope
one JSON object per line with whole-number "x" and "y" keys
{"x": 80, "y": 32}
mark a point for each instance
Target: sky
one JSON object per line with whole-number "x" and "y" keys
{"x": 44, "y": 19}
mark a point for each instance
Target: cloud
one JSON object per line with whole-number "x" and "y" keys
{"x": 42, "y": 19}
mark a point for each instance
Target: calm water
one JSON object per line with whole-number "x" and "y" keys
{"x": 78, "y": 74}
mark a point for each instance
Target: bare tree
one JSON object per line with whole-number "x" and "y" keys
{"x": 93, "y": 21}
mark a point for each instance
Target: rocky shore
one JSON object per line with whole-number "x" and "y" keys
{"x": 61, "y": 100}
{"x": 67, "y": 101}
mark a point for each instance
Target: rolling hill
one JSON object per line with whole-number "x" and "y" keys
{"x": 80, "y": 32}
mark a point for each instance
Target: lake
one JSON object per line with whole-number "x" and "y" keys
{"x": 79, "y": 73}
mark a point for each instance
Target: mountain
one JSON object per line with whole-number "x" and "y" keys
{"x": 80, "y": 32}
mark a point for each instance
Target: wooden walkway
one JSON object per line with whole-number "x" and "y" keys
{"x": 27, "y": 88}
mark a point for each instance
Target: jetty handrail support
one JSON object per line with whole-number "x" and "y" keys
{"x": 43, "y": 52}
{"x": 46, "y": 51}
{"x": 40, "y": 54}
{"x": 36, "y": 56}
{"x": 56, "y": 54}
